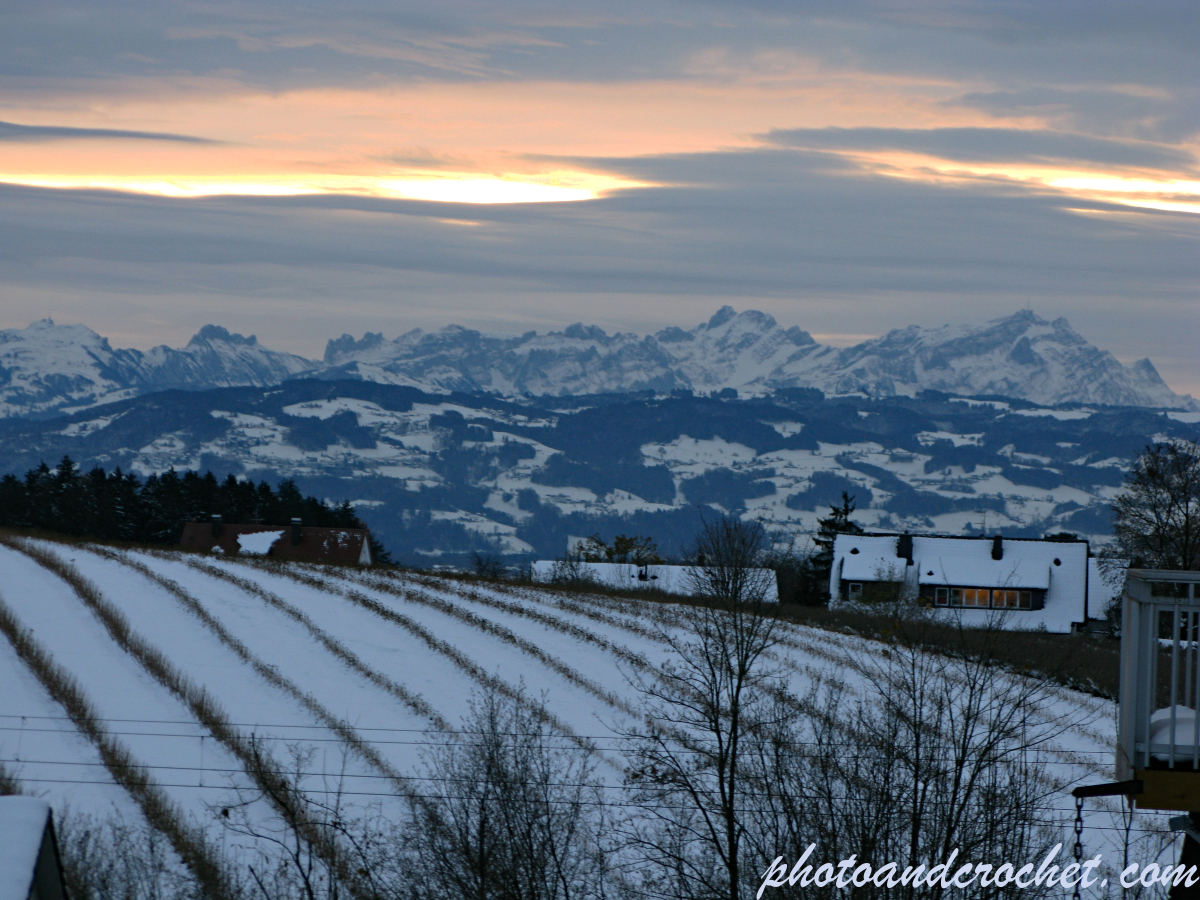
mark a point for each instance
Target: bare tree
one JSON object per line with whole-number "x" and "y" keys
{"x": 488, "y": 566}
{"x": 728, "y": 569}
{"x": 507, "y": 815}
{"x": 286, "y": 860}
{"x": 701, "y": 708}
{"x": 1156, "y": 519}
{"x": 931, "y": 753}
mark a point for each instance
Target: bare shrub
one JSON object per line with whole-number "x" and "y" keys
{"x": 488, "y": 566}
{"x": 571, "y": 570}
{"x": 107, "y": 858}
{"x": 728, "y": 563}
{"x": 288, "y": 859}
{"x": 934, "y": 754}
{"x": 10, "y": 783}
{"x": 508, "y": 815}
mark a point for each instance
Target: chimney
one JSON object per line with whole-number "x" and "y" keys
{"x": 216, "y": 525}
{"x": 295, "y": 532}
{"x": 904, "y": 548}
{"x": 997, "y": 548}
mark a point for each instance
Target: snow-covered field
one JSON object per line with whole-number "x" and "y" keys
{"x": 365, "y": 669}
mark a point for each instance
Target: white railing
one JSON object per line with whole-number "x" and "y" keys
{"x": 1158, "y": 722}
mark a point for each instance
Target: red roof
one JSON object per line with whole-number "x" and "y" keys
{"x": 306, "y": 543}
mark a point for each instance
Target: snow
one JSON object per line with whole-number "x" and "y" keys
{"x": 679, "y": 580}
{"x": 91, "y": 372}
{"x": 1063, "y": 415}
{"x": 747, "y": 351}
{"x": 968, "y": 562}
{"x": 571, "y": 649}
{"x": 259, "y": 543}
{"x": 22, "y": 824}
{"x": 1179, "y": 736}
{"x": 120, "y": 691}
{"x": 959, "y": 440}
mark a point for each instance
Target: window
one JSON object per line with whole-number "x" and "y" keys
{"x": 1012, "y": 600}
{"x": 983, "y": 598}
{"x": 976, "y": 598}
{"x": 855, "y": 590}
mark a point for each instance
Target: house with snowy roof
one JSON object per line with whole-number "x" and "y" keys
{"x": 297, "y": 542}
{"x": 1020, "y": 583}
{"x": 30, "y": 866}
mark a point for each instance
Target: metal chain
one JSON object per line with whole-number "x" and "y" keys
{"x": 1078, "y": 843}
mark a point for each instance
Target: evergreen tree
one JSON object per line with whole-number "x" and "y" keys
{"x": 117, "y": 506}
{"x": 837, "y": 522}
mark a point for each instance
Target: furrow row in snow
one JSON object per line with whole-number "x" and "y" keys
{"x": 189, "y": 842}
{"x": 267, "y": 773}
{"x": 411, "y": 699}
{"x": 504, "y": 634}
{"x": 444, "y": 648}
{"x": 348, "y": 734}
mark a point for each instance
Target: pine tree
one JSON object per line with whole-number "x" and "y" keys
{"x": 837, "y": 522}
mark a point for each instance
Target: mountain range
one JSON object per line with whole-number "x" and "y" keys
{"x": 47, "y": 367}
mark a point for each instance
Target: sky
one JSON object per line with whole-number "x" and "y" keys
{"x": 302, "y": 170}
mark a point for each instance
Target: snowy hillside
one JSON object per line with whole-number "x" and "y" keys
{"x": 177, "y": 661}
{"x": 438, "y": 476}
{"x": 47, "y": 367}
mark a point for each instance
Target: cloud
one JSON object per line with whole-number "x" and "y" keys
{"x": 976, "y": 145}
{"x": 10, "y": 131}
{"x": 802, "y": 235}
{"x": 1099, "y": 110}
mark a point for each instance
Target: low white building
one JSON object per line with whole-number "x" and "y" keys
{"x": 679, "y": 580}
{"x": 1019, "y": 582}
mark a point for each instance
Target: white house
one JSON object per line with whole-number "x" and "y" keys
{"x": 668, "y": 579}
{"x": 1020, "y": 582}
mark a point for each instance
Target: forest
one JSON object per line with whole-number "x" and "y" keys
{"x": 120, "y": 506}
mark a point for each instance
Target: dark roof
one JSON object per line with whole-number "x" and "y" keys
{"x": 306, "y": 543}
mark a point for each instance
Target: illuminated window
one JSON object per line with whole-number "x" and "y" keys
{"x": 983, "y": 598}
{"x": 1012, "y": 599}
{"x": 977, "y": 598}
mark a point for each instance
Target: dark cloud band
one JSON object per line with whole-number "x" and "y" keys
{"x": 10, "y": 131}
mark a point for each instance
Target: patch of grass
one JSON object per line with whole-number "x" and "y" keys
{"x": 1082, "y": 662}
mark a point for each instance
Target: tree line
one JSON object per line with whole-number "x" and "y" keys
{"x": 121, "y": 506}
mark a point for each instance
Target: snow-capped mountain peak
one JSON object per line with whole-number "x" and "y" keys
{"x": 47, "y": 366}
